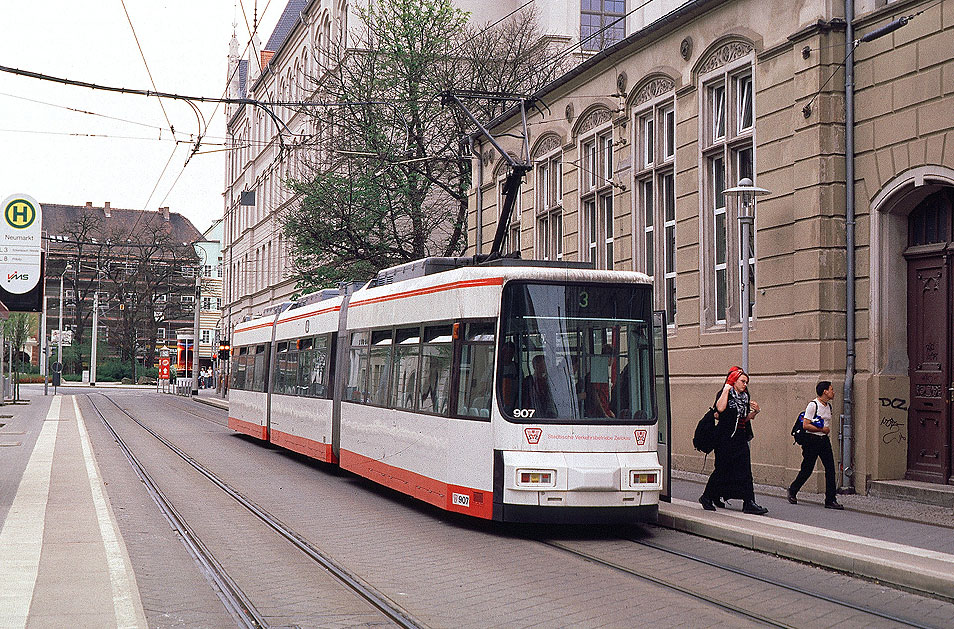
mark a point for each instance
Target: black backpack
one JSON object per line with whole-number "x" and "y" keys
{"x": 706, "y": 436}
{"x": 799, "y": 434}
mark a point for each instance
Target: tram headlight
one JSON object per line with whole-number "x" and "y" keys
{"x": 642, "y": 478}
{"x": 536, "y": 478}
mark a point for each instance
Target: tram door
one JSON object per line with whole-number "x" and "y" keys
{"x": 664, "y": 423}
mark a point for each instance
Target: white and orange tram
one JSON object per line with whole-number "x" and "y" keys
{"x": 508, "y": 391}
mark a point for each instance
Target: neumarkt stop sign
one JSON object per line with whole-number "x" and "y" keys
{"x": 21, "y": 263}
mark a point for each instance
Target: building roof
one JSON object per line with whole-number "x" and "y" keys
{"x": 243, "y": 77}
{"x": 58, "y": 219}
{"x": 285, "y": 24}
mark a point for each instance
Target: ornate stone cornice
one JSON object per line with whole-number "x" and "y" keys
{"x": 653, "y": 89}
{"x": 547, "y": 143}
{"x": 727, "y": 53}
{"x": 595, "y": 118}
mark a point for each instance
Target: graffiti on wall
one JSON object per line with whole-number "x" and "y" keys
{"x": 894, "y": 420}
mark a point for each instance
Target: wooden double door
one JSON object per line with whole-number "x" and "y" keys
{"x": 930, "y": 260}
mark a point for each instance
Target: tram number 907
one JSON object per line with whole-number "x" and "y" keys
{"x": 525, "y": 413}
{"x": 461, "y": 500}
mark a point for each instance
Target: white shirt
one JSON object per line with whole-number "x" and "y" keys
{"x": 816, "y": 409}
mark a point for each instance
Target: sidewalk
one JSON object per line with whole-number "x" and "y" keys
{"x": 910, "y": 545}
{"x": 63, "y": 561}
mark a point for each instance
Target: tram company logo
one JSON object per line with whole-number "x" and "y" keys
{"x": 640, "y": 437}
{"x": 533, "y": 435}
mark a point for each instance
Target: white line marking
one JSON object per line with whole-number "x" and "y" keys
{"x": 21, "y": 538}
{"x": 121, "y": 577}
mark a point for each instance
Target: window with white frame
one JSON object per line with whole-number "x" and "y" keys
{"x": 728, "y": 155}
{"x": 160, "y": 334}
{"x": 205, "y": 336}
{"x": 655, "y": 149}
{"x": 596, "y": 198}
{"x": 512, "y": 238}
{"x": 549, "y": 206}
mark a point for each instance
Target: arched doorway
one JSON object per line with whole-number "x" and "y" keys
{"x": 930, "y": 311}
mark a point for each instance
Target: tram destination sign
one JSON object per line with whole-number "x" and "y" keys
{"x": 21, "y": 258}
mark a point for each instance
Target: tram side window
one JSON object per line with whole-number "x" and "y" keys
{"x": 407, "y": 358}
{"x": 379, "y": 366}
{"x": 358, "y": 368}
{"x": 436, "y": 362}
{"x": 258, "y": 374}
{"x": 313, "y": 374}
{"x": 303, "y": 367}
{"x": 237, "y": 379}
{"x": 476, "y": 370}
{"x": 287, "y": 368}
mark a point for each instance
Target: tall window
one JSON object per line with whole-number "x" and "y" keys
{"x": 728, "y": 153}
{"x": 549, "y": 207}
{"x": 602, "y": 23}
{"x": 655, "y": 149}
{"x": 597, "y": 198}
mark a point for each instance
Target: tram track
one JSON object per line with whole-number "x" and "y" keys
{"x": 739, "y": 610}
{"x": 238, "y": 602}
{"x": 787, "y": 586}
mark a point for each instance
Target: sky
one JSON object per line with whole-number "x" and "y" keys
{"x": 70, "y": 145}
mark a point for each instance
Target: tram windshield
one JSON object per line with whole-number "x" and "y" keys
{"x": 579, "y": 353}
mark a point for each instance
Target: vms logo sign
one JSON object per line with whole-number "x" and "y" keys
{"x": 533, "y": 435}
{"x": 16, "y": 275}
{"x": 19, "y": 214}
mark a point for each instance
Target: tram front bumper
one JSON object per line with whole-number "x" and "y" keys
{"x": 581, "y": 479}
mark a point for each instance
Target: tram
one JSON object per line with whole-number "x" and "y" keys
{"x": 511, "y": 390}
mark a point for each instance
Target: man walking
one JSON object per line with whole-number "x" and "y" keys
{"x": 817, "y": 424}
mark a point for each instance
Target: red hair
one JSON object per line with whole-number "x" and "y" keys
{"x": 734, "y": 374}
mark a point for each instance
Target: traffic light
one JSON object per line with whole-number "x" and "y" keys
{"x": 224, "y": 348}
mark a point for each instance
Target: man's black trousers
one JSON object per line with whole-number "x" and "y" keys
{"x": 815, "y": 448}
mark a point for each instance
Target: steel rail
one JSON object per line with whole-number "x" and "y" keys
{"x": 237, "y": 604}
{"x": 785, "y": 586}
{"x": 379, "y": 601}
{"x": 735, "y": 609}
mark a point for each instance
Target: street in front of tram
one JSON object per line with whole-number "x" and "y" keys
{"x": 115, "y": 512}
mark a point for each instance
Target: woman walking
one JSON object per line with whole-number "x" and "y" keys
{"x": 732, "y": 477}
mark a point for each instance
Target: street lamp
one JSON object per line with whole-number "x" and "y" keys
{"x": 95, "y": 340}
{"x": 59, "y": 347}
{"x": 196, "y": 330}
{"x": 747, "y": 191}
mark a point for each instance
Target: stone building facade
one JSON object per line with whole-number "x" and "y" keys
{"x": 631, "y": 152}
{"x": 255, "y": 252}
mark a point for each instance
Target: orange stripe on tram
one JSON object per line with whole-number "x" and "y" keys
{"x": 473, "y": 502}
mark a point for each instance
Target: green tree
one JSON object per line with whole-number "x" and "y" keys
{"x": 388, "y": 167}
{"x": 18, "y": 327}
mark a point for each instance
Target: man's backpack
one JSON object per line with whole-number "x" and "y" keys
{"x": 799, "y": 434}
{"x": 706, "y": 436}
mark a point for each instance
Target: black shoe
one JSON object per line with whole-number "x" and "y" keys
{"x": 834, "y": 504}
{"x": 706, "y": 503}
{"x": 750, "y": 506}
{"x": 718, "y": 502}
{"x": 791, "y": 497}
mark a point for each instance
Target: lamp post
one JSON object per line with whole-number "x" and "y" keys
{"x": 195, "y": 336}
{"x": 747, "y": 191}
{"x": 94, "y": 341}
{"x": 59, "y": 346}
